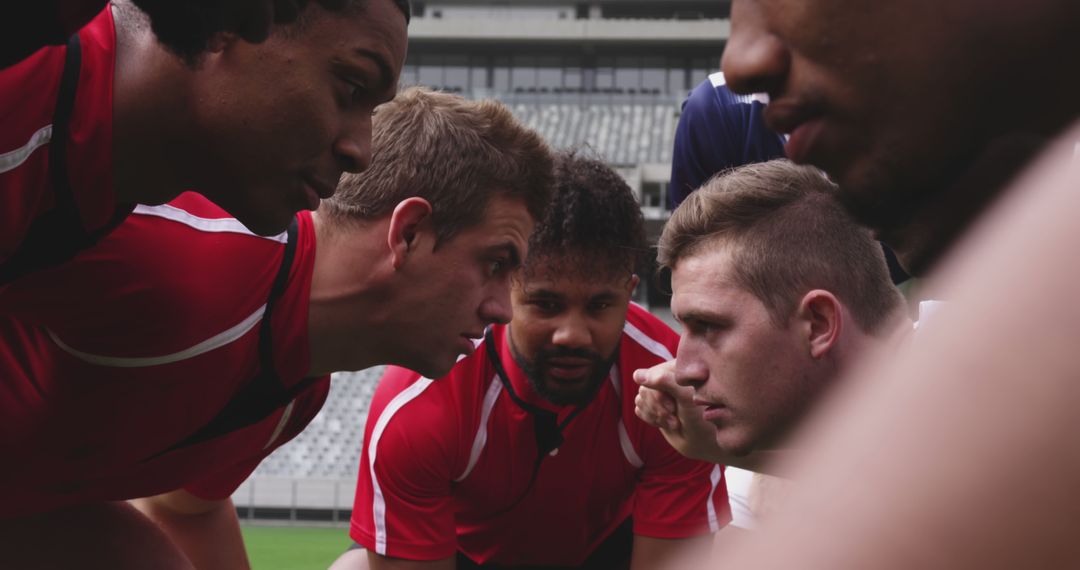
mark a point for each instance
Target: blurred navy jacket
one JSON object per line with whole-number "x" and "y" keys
{"x": 718, "y": 130}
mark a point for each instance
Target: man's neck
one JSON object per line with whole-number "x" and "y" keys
{"x": 349, "y": 302}
{"x": 150, "y": 111}
{"x": 945, "y": 219}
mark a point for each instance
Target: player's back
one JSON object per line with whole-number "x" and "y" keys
{"x": 108, "y": 383}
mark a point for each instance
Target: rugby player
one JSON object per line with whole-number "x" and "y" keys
{"x": 778, "y": 291}
{"x": 192, "y": 348}
{"x": 959, "y": 451}
{"x": 116, "y": 118}
{"x": 185, "y": 26}
{"x": 528, "y": 454}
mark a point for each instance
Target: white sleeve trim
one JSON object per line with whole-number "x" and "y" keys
{"x": 490, "y": 397}
{"x": 379, "y": 502}
{"x": 281, "y": 424}
{"x": 625, "y": 444}
{"x": 652, "y": 345}
{"x": 714, "y": 478}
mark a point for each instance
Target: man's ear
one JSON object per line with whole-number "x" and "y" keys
{"x": 632, "y": 283}
{"x": 821, "y": 317}
{"x": 405, "y": 223}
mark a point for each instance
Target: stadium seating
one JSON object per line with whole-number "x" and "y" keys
{"x": 622, "y": 134}
{"x": 330, "y": 446}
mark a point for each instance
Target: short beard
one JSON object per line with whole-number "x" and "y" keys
{"x": 536, "y": 371}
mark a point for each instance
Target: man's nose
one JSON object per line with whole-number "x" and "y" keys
{"x": 755, "y": 60}
{"x": 496, "y": 307}
{"x": 690, "y": 369}
{"x": 572, "y": 331}
{"x": 352, "y": 149}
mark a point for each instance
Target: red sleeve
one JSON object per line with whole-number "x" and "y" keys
{"x": 223, "y": 482}
{"x": 676, "y": 497}
{"x": 403, "y": 506}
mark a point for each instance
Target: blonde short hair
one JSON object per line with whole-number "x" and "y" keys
{"x": 453, "y": 152}
{"x": 790, "y": 236}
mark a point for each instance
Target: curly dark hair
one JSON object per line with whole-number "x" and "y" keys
{"x": 185, "y": 27}
{"x": 593, "y": 226}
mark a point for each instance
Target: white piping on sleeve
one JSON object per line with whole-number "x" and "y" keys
{"x": 490, "y": 397}
{"x": 652, "y": 345}
{"x": 379, "y": 502}
{"x": 281, "y": 424}
{"x": 627, "y": 446}
{"x": 714, "y": 478}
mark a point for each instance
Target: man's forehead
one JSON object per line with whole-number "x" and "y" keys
{"x": 712, "y": 263}
{"x": 505, "y": 214}
{"x": 571, "y": 280}
{"x": 377, "y": 27}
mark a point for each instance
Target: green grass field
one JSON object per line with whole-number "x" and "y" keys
{"x": 290, "y": 548}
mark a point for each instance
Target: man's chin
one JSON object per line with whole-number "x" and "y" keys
{"x": 267, "y": 224}
{"x": 431, "y": 368}
{"x": 563, "y": 392}
{"x": 736, "y": 445}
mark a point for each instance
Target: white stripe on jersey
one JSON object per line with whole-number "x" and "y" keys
{"x": 281, "y": 423}
{"x": 214, "y": 342}
{"x": 379, "y": 504}
{"x": 490, "y": 397}
{"x": 12, "y": 159}
{"x": 718, "y": 80}
{"x": 210, "y": 225}
{"x": 654, "y": 346}
{"x": 627, "y": 446}
{"x": 715, "y": 478}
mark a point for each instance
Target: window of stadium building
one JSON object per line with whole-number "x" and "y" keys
{"x": 543, "y": 74}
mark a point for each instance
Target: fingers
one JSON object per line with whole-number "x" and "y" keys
{"x": 656, "y": 408}
{"x": 659, "y": 377}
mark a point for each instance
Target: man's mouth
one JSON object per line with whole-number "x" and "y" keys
{"x": 712, "y": 411}
{"x": 802, "y": 124}
{"x": 321, "y": 188}
{"x": 470, "y": 342}
{"x": 569, "y": 368}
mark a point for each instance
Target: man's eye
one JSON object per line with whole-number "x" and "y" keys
{"x": 357, "y": 90}
{"x": 546, "y": 306}
{"x": 702, "y": 327}
{"x": 597, "y": 307}
{"x": 497, "y": 266}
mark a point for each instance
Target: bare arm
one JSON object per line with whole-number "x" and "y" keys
{"x": 208, "y": 532}
{"x": 961, "y": 451}
{"x": 660, "y": 553}
{"x": 379, "y": 562}
{"x": 361, "y": 559}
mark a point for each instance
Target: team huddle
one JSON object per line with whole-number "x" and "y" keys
{"x": 210, "y": 207}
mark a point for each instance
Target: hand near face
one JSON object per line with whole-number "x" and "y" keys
{"x": 665, "y": 405}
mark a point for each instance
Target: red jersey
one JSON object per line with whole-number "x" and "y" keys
{"x": 109, "y": 387}
{"x": 56, "y": 183}
{"x": 446, "y": 465}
